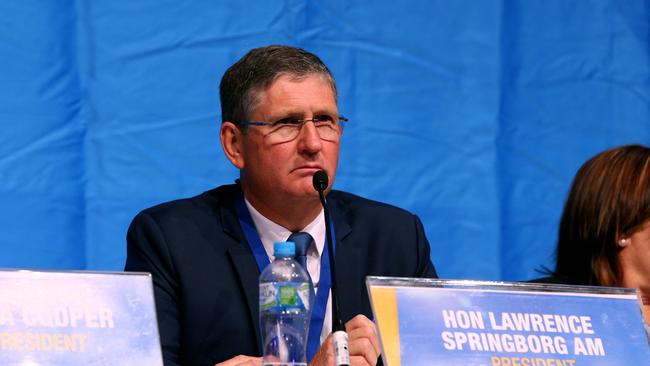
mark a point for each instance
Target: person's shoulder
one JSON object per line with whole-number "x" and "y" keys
{"x": 205, "y": 203}
{"x": 354, "y": 203}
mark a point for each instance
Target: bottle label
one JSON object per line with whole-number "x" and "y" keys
{"x": 267, "y": 295}
{"x": 304, "y": 293}
{"x": 284, "y": 295}
{"x": 288, "y": 296}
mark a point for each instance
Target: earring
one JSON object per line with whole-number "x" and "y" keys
{"x": 623, "y": 242}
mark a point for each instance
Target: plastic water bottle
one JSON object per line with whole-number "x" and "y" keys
{"x": 285, "y": 308}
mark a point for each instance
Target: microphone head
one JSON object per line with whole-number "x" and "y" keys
{"x": 320, "y": 180}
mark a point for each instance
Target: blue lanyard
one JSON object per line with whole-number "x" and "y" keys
{"x": 262, "y": 259}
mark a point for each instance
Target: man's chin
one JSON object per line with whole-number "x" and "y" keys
{"x": 306, "y": 191}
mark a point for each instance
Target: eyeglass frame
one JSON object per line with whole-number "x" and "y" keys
{"x": 341, "y": 121}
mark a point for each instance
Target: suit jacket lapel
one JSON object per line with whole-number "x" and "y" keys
{"x": 339, "y": 212}
{"x": 244, "y": 263}
{"x": 348, "y": 260}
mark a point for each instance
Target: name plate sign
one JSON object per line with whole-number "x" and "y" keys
{"x": 481, "y": 323}
{"x": 77, "y": 318}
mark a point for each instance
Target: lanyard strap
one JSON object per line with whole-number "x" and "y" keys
{"x": 262, "y": 259}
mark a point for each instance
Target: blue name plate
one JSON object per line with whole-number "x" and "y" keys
{"x": 439, "y": 322}
{"x": 77, "y": 318}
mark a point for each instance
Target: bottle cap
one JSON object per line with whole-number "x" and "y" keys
{"x": 284, "y": 248}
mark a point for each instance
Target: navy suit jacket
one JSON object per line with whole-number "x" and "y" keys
{"x": 206, "y": 278}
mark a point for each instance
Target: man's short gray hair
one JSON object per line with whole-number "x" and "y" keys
{"x": 257, "y": 70}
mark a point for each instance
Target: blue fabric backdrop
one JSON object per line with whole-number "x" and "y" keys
{"x": 473, "y": 114}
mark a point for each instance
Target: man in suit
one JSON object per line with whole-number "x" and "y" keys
{"x": 280, "y": 125}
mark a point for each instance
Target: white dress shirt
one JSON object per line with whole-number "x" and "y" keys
{"x": 270, "y": 232}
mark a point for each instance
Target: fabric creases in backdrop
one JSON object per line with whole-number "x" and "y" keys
{"x": 473, "y": 115}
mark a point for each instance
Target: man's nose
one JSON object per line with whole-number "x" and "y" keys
{"x": 309, "y": 140}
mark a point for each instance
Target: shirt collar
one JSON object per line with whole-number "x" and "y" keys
{"x": 270, "y": 232}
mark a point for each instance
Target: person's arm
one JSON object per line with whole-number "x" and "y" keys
{"x": 425, "y": 268}
{"x": 147, "y": 251}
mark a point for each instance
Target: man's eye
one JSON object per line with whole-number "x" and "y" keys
{"x": 324, "y": 120}
{"x": 289, "y": 121}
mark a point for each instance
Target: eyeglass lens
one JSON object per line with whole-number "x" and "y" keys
{"x": 287, "y": 129}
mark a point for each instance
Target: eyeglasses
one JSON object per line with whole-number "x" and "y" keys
{"x": 329, "y": 128}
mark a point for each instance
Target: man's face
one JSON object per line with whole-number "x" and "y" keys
{"x": 285, "y": 169}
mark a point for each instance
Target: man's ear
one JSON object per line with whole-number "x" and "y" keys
{"x": 232, "y": 139}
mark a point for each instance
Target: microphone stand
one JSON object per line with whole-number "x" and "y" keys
{"x": 339, "y": 336}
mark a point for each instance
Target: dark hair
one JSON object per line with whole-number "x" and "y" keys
{"x": 257, "y": 70}
{"x": 609, "y": 199}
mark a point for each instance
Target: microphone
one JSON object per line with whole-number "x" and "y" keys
{"x": 320, "y": 181}
{"x": 339, "y": 336}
